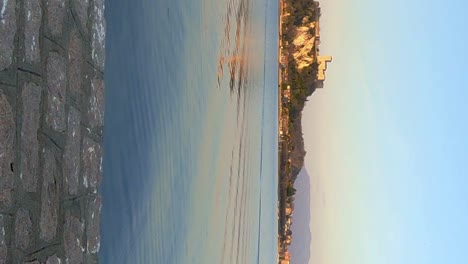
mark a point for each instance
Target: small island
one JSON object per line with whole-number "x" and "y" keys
{"x": 301, "y": 71}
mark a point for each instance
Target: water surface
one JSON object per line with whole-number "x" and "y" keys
{"x": 190, "y": 140}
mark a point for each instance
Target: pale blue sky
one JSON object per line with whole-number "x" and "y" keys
{"x": 387, "y": 138}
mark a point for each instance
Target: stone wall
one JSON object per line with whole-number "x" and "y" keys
{"x": 51, "y": 123}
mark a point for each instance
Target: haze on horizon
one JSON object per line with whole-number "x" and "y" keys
{"x": 386, "y": 137}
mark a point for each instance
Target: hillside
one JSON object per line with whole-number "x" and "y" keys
{"x": 300, "y": 44}
{"x": 302, "y": 71}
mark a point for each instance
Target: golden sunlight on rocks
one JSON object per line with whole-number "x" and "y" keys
{"x": 304, "y": 43}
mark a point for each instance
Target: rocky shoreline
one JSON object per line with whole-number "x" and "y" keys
{"x": 51, "y": 124}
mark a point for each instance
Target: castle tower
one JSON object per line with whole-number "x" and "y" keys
{"x": 322, "y": 66}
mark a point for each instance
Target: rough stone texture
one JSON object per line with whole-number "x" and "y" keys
{"x": 53, "y": 260}
{"x": 4, "y": 222}
{"x": 50, "y": 197}
{"x": 92, "y": 224}
{"x": 7, "y": 32}
{"x": 96, "y": 103}
{"x": 3, "y": 254}
{"x": 23, "y": 229}
{"x": 7, "y": 156}
{"x": 98, "y": 34}
{"x": 51, "y": 123}
{"x": 32, "y": 18}
{"x": 81, "y": 9}
{"x": 6, "y": 191}
{"x": 92, "y": 163}
{"x": 56, "y": 87}
{"x": 33, "y": 262}
{"x": 73, "y": 239}
{"x": 4, "y": 219}
{"x": 75, "y": 55}
{"x": 55, "y": 14}
{"x": 71, "y": 156}
{"x": 31, "y": 98}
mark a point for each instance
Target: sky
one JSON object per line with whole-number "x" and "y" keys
{"x": 386, "y": 138}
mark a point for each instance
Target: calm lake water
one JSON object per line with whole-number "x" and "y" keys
{"x": 190, "y": 140}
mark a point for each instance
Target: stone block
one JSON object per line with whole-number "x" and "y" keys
{"x": 23, "y": 229}
{"x": 96, "y": 103}
{"x": 55, "y": 14}
{"x": 6, "y": 191}
{"x": 32, "y": 18}
{"x": 3, "y": 254}
{"x": 56, "y": 87}
{"x": 91, "y": 153}
{"x": 71, "y": 155}
{"x": 73, "y": 239}
{"x": 7, "y": 155}
{"x": 49, "y": 196}
{"x": 92, "y": 259}
{"x": 4, "y": 237}
{"x": 75, "y": 55}
{"x": 81, "y": 10}
{"x": 53, "y": 260}
{"x": 7, "y": 32}
{"x": 4, "y": 222}
{"x": 31, "y": 97}
{"x": 98, "y": 34}
{"x": 92, "y": 224}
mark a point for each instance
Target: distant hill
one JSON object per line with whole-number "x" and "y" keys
{"x": 300, "y": 246}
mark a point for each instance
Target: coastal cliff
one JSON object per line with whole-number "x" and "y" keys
{"x": 300, "y": 50}
{"x": 302, "y": 71}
